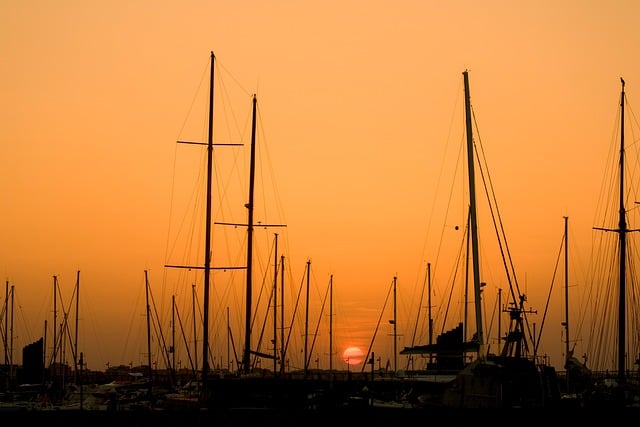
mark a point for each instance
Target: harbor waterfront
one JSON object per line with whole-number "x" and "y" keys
{"x": 268, "y": 418}
{"x": 462, "y": 370}
{"x": 124, "y": 390}
{"x": 224, "y": 215}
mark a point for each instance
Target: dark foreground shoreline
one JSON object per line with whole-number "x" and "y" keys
{"x": 266, "y": 417}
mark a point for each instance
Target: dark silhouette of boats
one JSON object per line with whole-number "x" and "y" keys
{"x": 514, "y": 377}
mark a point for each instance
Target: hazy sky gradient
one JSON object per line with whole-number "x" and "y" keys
{"x": 358, "y": 104}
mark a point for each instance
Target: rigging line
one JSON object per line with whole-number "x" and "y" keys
{"x": 195, "y": 201}
{"x": 266, "y": 280}
{"x": 225, "y": 185}
{"x": 315, "y": 334}
{"x": 21, "y": 315}
{"x": 449, "y": 201}
{"x": 64, "y": 326}
{"x": 575, "y": 260}
{"x": 132, "y": 320}
{"x": 415, "y": 328}
{"x": 495, "y": 310}
{"x": 441, "y": 241}
{"x": 261, "y": 293}
{"x": 264, "y": 147}
{"x": 230, "y": 119}
{"x": 228, "y": 73}
{"x": 546, "y": 307}
{"x": 158, "y": 327}
{"x": 456, "y": 269}
{"x": 203, "y": 78}
{"x": 452, "y": 124}
{"x": 186, "y": 345}
{"x": 498, "y": 226}
{"x": 375, "y": 332}
{"x": 295, "y": 309}
{"x": 236, "y": 356}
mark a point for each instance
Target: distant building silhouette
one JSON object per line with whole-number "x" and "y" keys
{"x": 32, "y": 362}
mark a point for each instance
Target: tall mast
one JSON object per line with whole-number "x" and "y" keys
{"x": 395, "y": 328}
{"x": 429, "y": 317}
{"x": 622, "y": 233}
{"x": 306, "y": 319}
{"x": 6, "y": 323}
{"x": 207, "y": 242}
{"x": 282, "y": 348}
{"x": 275, "y": 306}
{"x": 207, "y": 251}
{"x": 228, "y": 342}
{"x": 148, "y": 314}
{"x": 249, "y": 206}
{"x": 173, "y": 335}
{"x": 55, "y": 321}
{"x": 75, "y": 344}
{"x": 195, "y": 329}
{"x": 13, "y": 293}
{"x": 566, "y": 284}
{"x": 472, "y": 213}
{"x": 331, "y": 324}
{"x": 499, "y": 320}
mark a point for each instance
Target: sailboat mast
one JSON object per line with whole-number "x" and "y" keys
{"x": 55, "y": 322}
{"x": 395, "y": 327}
{"x": 249, "y": 206}
{"x": 306, "y": 319}
{"x": 6, "y": 323}
{"x": 430, "y": 319}
{"x": 75, "y": 344}
{"x": 195, "y": 329}
{"x": 275, "y": 305}
{"x": 11, "y": 371}
{"x": 499, "y": 319}
{"x": 173, "y": 335}
{"x": 331, "y": 323}
{"x": 472, "y": 212}
{"x": 148, "y": 314}
{"x": 622, "y": 233}
{"x": 566, "y": 284}
{"x": 282, "y": 347}
{"x": 207, "y": 243}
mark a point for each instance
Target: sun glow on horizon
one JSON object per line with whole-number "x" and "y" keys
{"x": 352, "y": 355}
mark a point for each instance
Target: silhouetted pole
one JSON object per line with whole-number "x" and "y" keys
{"x": 246, "y": 359}
{"x": 499, "y": 320}
{"x": 395, "y": 326}
{"x": 429, "y": 303}
{"x": 195, "y": 329}
{"x": 146, "y": 281}
{"x": 207, "y": 241}
{"x": 80, "y": 383}
{"x": 173, "y": 333}
{"x": 331, "y": 324}
{"x": 6, "y": 323}
{"x": 55, "y": 321}
{"x": 275, "y": 305}
{"x": 306, "y": 320}
{"x": 75, "y": 345}
{"x": 566, "y": 284}
{"x": 282, "y": 349}
{"x": 472, "y": 212}
{"x": 622, "y": 232}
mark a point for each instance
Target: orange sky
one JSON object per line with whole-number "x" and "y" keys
{"x": 359, "y": 104}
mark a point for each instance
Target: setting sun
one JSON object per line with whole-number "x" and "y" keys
{"x": 352, "y": 355}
